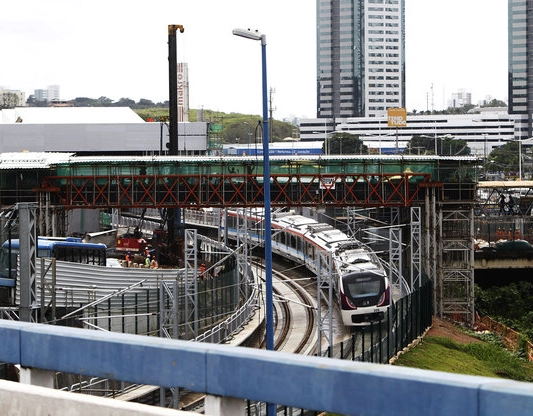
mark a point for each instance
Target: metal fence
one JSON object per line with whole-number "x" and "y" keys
{"x": 378, "y": 342}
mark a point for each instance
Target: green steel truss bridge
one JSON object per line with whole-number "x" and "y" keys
{"x": 197, "y": 182}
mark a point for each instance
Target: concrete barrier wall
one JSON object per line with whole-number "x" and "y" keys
{"x": 23, "y": 399}
{"x": 327, "y": 384}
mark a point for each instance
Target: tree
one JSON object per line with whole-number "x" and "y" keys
{"x": 462, "y": 109}
{"x": 454, "y": 147}
{"x": 504, "y": 158}
{"x": 445, "y": 146}
{"x": 84, "y": 102}
{"x": 510, "y": 304}
{"x": 144, "y": 103}
{"x": 495, "y": 103}
{"x": 421, "y": 145}
{"x": 104, "y": 102}
{"x": 125, "y": 102}
{"x": 8, "y": 100}
{"x": 344, "y": 144}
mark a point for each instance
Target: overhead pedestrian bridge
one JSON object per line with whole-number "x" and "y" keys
{"x": 178, "y": 182}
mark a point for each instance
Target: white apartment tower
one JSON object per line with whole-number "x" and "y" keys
{"x": 50, "y": 94}
{"x": 360, "y": 57}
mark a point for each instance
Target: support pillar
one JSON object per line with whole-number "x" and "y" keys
{"x": 37, "y": 377}
{"x": 223, "y": 406}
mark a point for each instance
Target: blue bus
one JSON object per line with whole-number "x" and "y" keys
{"x": 66, "y": 249}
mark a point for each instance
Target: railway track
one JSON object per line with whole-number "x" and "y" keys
{"x": 295, "y": 323}
{"x": 295, "y": 310}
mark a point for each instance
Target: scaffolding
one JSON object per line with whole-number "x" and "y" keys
{"x": 454, "y": 288}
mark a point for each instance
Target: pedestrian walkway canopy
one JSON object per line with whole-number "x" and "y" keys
{"x": 177, "y": 181}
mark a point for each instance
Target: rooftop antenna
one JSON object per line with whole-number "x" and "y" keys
{"x": 432, "y": 98}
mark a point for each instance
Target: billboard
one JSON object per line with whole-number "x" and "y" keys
{"x": 397, "y": 117}
{"x": 183, "y": 92}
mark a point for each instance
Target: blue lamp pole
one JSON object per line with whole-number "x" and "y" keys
{"x": 255, "y": 35}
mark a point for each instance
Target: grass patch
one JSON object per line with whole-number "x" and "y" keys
{"x": 480, "y": 359}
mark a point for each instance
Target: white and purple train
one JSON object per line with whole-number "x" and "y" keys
{"x": 359, "y": 279}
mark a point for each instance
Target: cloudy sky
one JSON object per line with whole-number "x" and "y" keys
{"x": 118, "y": 48}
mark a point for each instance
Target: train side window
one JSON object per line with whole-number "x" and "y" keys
{"x": 293, "y": 242}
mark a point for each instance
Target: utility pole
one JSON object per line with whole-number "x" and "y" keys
{"x": 173, "y": 88}
{"x": 173, "y": 113}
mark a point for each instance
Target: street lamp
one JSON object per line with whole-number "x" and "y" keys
{"x": 520, "y": 142}
{"x": 519, "y": 159}
{"x": 435, "y": 137}
{"x": 379, "y": 137}
{"x": 256, "y": 35}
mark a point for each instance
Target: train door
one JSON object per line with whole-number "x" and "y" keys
{"x": 310, "y": 254}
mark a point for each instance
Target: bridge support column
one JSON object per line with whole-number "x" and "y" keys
{"x": 37, "y": 377}
{"x": 27, "y": 259}
{"x": 223, "y": 406}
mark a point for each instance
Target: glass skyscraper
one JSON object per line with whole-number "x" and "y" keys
{"x": 360, "y": 57}
{"x": 521, "y": 60}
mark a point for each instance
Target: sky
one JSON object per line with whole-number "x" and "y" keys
{"x": 119, "y": 49}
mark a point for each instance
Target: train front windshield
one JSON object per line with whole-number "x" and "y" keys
{"x": 363, "y": 286}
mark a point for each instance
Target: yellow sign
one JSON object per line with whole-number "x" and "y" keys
{"x": 397, "y": 117}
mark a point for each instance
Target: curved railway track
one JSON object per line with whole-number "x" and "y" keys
{"x": 295, "y": 316}
{"x": 294, "y": 322}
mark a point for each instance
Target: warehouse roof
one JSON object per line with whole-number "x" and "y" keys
{"x": 69, "y": 115}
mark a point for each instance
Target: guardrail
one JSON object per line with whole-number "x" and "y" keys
{"x": 236, "y": 373}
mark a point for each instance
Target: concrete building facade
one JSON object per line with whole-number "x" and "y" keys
{"x": 482, "y": 131}
{"x": 50, "y": 94}
{"x": 12, "y": 98}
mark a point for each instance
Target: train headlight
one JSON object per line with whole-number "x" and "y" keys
{"x": 346, "y": 303}
{"x": 384, "y": 299}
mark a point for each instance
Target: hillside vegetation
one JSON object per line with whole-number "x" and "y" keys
{"x": 230, "y": 127}
{"x": 471, "y": 354}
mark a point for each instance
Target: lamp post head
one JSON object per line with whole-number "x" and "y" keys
{"x": 250, "y": 34}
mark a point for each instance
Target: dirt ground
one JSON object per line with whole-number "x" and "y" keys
{"x": 446, "y": 329}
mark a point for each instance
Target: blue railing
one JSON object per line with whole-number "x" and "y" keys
{"x": 327, "y": 384}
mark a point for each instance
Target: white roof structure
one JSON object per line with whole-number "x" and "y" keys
{"x": 93, "y": 130}
{"x": 32, "y": 160}
{"x": 69, "y": 115}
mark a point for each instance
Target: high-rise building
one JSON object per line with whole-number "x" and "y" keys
{"x": 460, "y": 99}
{"x": 360, "y": 57}
{"x": 50, "y": 94}
{"x": 520, "y": 39}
